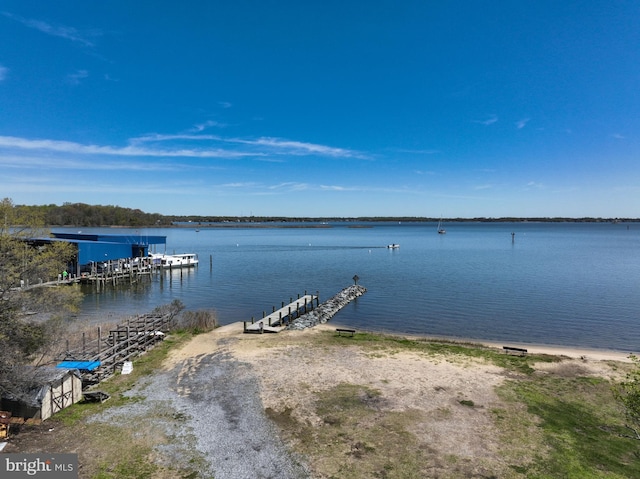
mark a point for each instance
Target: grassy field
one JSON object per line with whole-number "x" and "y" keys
{"x": 559, "y": 424}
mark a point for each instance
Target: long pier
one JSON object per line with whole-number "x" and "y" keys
{"x": 278, "y": 319}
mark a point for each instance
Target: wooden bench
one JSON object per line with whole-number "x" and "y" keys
{"x": 346, "y": 331}
{"x": 512, "y": 350}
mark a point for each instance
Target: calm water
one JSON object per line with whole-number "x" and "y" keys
{"x": 572, "y": 284}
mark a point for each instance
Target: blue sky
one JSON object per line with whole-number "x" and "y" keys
{"x": 323, "y": 108}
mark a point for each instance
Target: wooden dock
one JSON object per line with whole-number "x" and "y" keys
{"x": 118, "y": 271}
{"x": 278, "y": 319}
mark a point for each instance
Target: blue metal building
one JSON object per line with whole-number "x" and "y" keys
{"x": 100, "y": 248}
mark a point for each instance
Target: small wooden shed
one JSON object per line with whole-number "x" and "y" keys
{"x": 54, "y": 390}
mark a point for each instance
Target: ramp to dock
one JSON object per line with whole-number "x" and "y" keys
{"x": 274, "y": 322}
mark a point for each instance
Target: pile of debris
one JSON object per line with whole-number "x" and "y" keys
{"x": 325, "y": 311}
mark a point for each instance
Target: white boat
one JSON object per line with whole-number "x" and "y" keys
{"x": 185, "y": 260}
{"x": 441, "y": 230}
{"x": 393, "y": 246}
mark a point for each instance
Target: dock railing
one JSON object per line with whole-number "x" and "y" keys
{"x": 112, "y": 348}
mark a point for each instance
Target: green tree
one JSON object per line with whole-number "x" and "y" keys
{"x": 31, "y": 318}
{"x": 628, "y": 394}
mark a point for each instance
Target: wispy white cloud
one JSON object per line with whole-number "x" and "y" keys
{"x": 225, "y": 104}
{"x": 76, "y": 77}
{"x": 35, "y": 162}
{"x": 132, "y": 150}
{"x": 3, "y": 73}
{"x": 263, "y": 146}
{"x": 536, "y": 185}
{"x": 299, "y": 148}
{"x": 520, "y": 124}
{"x": 207, "y": 124}
{"x": 166, "y": 147}
{"x": 61, "y": 31}
{"x": 157, "y": 138}
{"x": 483, "y": 187}
{"x": 289, "y": 186}
{"x": 618, "y": 136}
{"x": 490, "y": 121}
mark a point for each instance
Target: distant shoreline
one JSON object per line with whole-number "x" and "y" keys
{"x": 350, "y": 222}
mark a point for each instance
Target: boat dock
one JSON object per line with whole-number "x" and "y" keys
{"x": 278, "y": 319}
{"x": 117, "y": 271}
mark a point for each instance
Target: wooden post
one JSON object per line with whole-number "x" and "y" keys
{"x": 127, "y": 343}
{"x": 113, "y": 335}
{"x": 84, "y": 343}
{"x": 99, "y": 339}
{"x": 252, "y": 321}
{"x": 244, "y": 326}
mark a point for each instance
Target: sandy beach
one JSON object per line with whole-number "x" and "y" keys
{"x": 233, "y": 329}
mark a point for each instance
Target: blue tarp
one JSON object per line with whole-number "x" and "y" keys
{"x": 82, "y": 365}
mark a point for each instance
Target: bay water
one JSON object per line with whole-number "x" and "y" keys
{"x": 568, "y": 284}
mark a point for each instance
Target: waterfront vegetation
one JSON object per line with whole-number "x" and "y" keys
{"x": 561, "y": 424}
{"x": 25, "y": 339}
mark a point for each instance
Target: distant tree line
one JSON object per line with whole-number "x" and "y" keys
{"x": 81, "y": 214}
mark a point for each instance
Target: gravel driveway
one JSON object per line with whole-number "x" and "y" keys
{"x": 210, "y": 409}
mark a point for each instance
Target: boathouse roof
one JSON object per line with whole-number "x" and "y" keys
{"x": 94, "y": 248}
{"x": 111, "y": 238}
